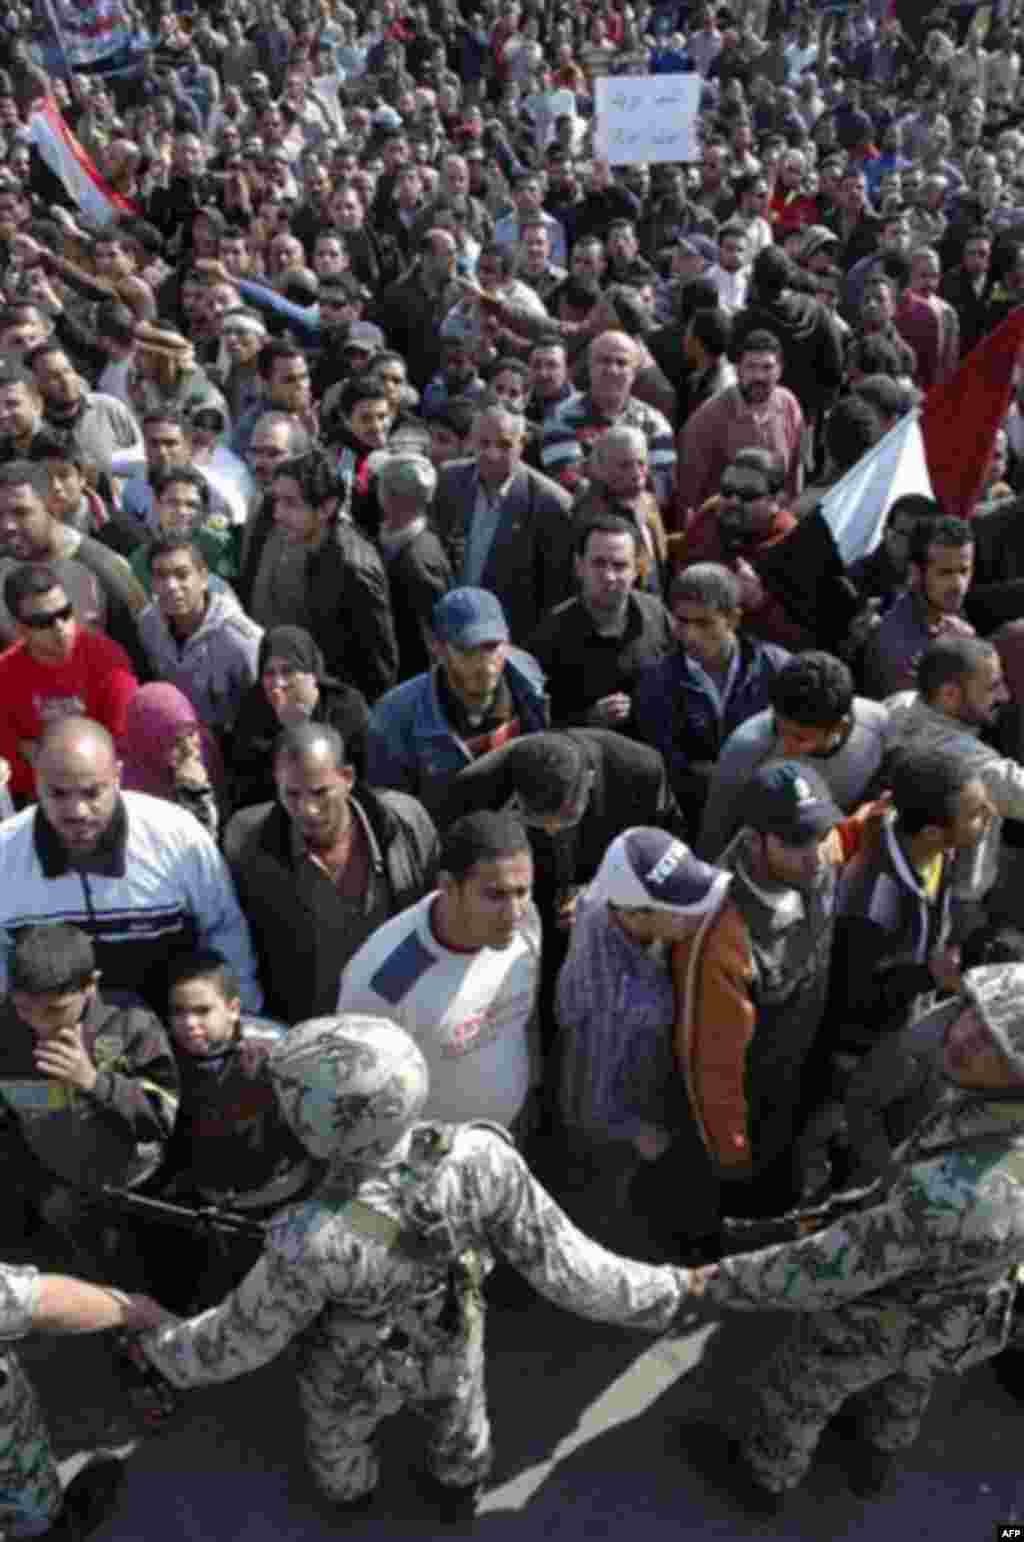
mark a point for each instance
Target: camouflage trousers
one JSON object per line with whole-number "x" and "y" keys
{"x": 346, "y": 1390}
{"x": 829, "y": 1358}
{"x": 30, "y": 1488}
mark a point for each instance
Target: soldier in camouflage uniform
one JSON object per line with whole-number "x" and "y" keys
{"x": 378, "y": 1275}
{"x": 921, "y": 1283}
{"x": 31, "y": 1502}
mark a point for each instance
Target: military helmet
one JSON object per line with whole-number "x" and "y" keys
{"x": 349, "y": 1086}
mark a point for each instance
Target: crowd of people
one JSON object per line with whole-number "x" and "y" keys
{"x": 413, "y": 761}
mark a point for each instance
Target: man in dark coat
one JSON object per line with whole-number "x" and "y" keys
{"x": 322, "y": 868}
{"x": 508, "y": 528}
{"x": 344, "y": 601}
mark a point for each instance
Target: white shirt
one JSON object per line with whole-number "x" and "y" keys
{"x": 468, "y": 1012}
{"x": 732, "y": 287}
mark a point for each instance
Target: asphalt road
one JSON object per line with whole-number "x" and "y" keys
{"x": 586, "y": 1423}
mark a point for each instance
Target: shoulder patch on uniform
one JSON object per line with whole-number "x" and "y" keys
{"x": 400, "y": 971}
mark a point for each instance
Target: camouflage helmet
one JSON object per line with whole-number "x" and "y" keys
{"x": 350, "y": 1086}
{"x": 997, "y": 991}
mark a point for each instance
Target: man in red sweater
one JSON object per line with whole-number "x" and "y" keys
{"x": 734, "y": 527}
{"x": 57, "y": 668}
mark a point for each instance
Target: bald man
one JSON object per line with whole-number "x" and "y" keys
{"x": 136, "y": 873}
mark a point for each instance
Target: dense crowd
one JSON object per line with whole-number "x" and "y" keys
{"x": 399, "y": 508}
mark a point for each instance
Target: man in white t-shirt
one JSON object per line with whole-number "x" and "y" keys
{"x": 460, "y": 971}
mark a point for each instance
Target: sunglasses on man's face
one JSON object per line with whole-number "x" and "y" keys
{"x": 44, "y": 619}
{"x": 743, "y": 494}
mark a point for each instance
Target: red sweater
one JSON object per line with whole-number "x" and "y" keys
{"x": 96, "y": 681}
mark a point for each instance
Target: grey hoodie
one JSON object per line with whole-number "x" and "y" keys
{"x": 215, "y": 666}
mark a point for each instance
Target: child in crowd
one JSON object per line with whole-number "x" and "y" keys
{"x": 88, "y": 1094}
{"x": 230, "y": 1147}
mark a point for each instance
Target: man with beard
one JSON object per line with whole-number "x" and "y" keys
{"x": 757, "y": 412}
{"x": 101, "y": 426}
{"x": 345, "y": 859}
{"x": 21, "y": 410}
{"x": 960, "y": 688}
{"x": 746, "y": 520}
{"x": 338, "y": 591}
{"x": 812, "y": 347}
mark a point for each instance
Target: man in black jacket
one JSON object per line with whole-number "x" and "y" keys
{"x": 339, "y": 593}
{"x": 322, "y": 868}
{"x": 418, "y": 569}
{"x": 575, "y": 791}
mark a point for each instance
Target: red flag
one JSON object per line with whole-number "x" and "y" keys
{"x": 960, "y": 418}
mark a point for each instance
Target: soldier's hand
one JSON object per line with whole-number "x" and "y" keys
{"x": 944, "y": 968}
{"x": 253, "y": 1055}
{"x": 610, "y": 710}
{"x": 698, "y": 1280}
{"x": 142, "y": 1314}
{"x": 64, "y": 1057}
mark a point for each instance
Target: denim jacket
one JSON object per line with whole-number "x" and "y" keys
{"x": 410, "y": 743}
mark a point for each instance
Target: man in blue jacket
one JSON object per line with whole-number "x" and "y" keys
{"x": 687, "y": 705}
{"x": 481, "y": 694}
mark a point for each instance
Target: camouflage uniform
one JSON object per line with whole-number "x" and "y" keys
{"x": 378, "y": 1275}
{"x": 30, "y": 1489}
{"x": 921, "y": 1283}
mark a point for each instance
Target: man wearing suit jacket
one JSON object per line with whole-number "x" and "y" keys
{"x": 508, "y": 528}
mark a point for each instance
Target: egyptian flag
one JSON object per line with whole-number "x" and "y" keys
{"x": 961, "y": 417}
{"x": 807, "y": 570}
{"x": 74, "y": 168}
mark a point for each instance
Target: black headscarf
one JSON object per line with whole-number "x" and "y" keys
{"x": 295, "y": 646}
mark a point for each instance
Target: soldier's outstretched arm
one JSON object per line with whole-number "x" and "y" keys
{"x": 856, "y": 1255}
{"x": 66, "y": 1305}
{"x": 281, "y": 1295}
{"x": 524, "y": 1223}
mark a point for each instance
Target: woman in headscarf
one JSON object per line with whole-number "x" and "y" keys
{"x": 167, "y": 752}
{"x": 293, "y": 686}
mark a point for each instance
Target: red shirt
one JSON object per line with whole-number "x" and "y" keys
{"x": 792, "y": 211}
{"x": 96, "y": 681}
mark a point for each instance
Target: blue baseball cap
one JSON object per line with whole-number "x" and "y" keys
{"x": 468, "y": 618}
{"x": 791, "y": 800}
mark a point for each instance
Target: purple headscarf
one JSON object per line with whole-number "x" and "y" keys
{"x": 157, "y": 715}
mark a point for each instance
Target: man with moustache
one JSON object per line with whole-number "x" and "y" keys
{"x": 341, "y": 859}
{"x": 756, "y": 412}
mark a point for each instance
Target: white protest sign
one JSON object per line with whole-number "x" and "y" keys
{"x": 646, "y": 118}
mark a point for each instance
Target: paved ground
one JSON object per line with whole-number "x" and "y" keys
{"x": 586, "y": 1422}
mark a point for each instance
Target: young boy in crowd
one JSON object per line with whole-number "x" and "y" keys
{"x": 88, "y": 1093}
{"x": 230, "y": 1146}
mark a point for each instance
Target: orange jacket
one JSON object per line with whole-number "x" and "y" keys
{"x": 714, "y": 975}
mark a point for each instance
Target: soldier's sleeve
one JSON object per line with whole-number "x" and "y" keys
{"x": 522, "y": 1221}
{"x": 19, "y": 1297}
{"x": 281, "y": 1295}
{"x": 857, "y": 1255}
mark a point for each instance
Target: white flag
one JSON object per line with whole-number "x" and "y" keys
{"x": 855, "y": 508}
